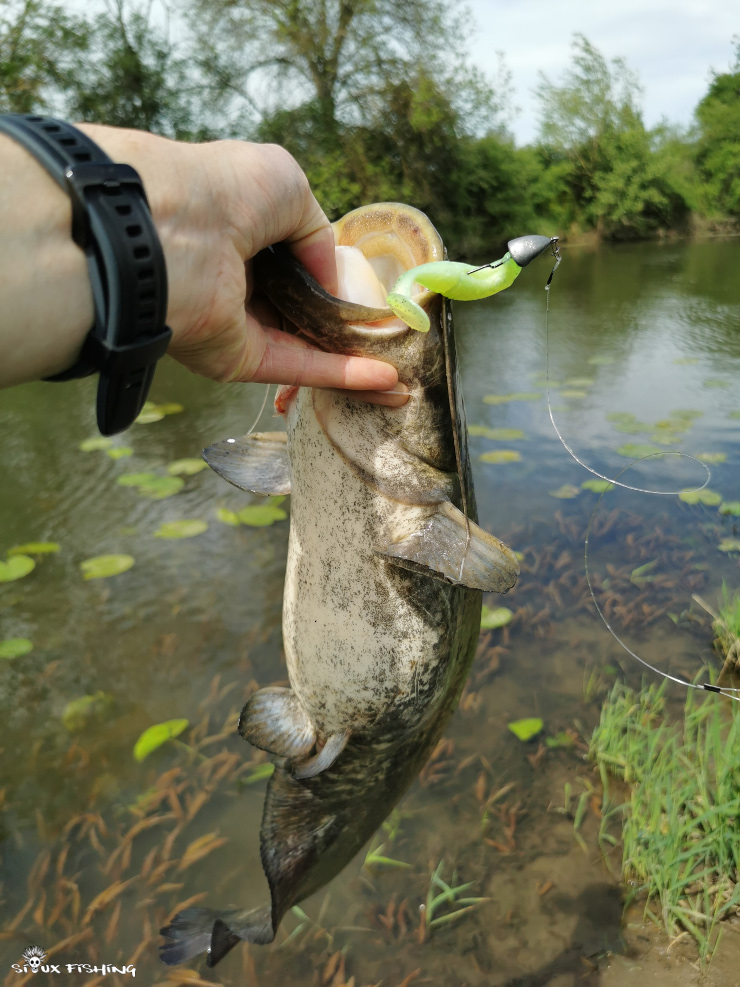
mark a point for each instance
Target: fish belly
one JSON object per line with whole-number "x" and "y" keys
{"x": 364, "y": 640}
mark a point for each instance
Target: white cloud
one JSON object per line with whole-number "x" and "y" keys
{"x": 671, "y": 44}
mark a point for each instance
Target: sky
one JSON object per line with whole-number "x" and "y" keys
{"x": 672, "y": 45}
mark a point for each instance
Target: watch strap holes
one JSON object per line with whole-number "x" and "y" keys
{"x": 142, "y": 252}
{"x": 134, "y": 230}
{"x": 123, "y": 210}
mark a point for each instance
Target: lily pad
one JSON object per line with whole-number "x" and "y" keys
{"x": 499, "y": 434}
{"x": 120, "y": 452}
{"x": 527, "y": 728}
{"x": 636, "y": 450}
{"x": 706, "y": 496}
{"x": 731, "y": 507}
{"x": 501, "y": 456}
{"x": 226, "y": 516}
{"x": 713, "y": 382}
{"x": 566, "y": 492}
{"x": 14, "y": 647}
{"x": 572, "y": 393}
{"x": 734, "y": 414}
{"x": 729, "y": 545}
{"x": 35, "y": 548}
{"x": 78, "y": 713}
{"x": 712, "y": 457}
{"x": 262, "y": 515}
{"x": 601, "y": 361}
{"x": 518, "y": 396}
{"x": 153, "y": 737}
{"x": 686, "y": 361}
{"x": 494, "y": 617}
{"x": 597, "y": 486}
{"x": 16, "y": 567}
{"x": 95, "y": 443}
{"x": 151, "y": 485}
{"x": 102, "y": 566}
{"x": 620, "y": 416}
{"x": 170, "y": 408}
{"x": 181, "y": 529}
{"x": 687, "y": 413}
{"x": 665, "y": 438}
{"x": 136, "y": 479}
{"x": 187, "y": 467}
{"x": 149, "y": 415}
{"x": 580, "y": 382}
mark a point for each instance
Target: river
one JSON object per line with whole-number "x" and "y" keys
{"x": 644, "y": 349}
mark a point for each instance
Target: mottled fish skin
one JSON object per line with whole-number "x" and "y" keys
{"x": 372, "y": 647}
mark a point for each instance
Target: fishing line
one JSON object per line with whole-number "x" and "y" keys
{"x": 700, "y": 686}
{"x": 262, "y": 408}
{"x": 571, "y": 453}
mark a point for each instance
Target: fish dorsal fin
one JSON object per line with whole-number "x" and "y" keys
{"x": 257, "y": 462}
{"x": 365, "y": 440}
{"x": 451, "y": 547}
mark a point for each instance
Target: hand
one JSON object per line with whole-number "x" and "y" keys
{"x": 215, "y": 206}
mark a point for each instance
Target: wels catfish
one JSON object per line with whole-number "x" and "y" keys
{"x": 385, "y": 573}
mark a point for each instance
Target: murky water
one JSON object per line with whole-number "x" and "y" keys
{"x": 98, "y": 849}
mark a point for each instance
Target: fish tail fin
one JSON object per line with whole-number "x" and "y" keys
{"x": 199, "y": 930}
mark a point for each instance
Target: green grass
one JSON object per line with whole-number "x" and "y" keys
{"x": 681, "y": 825}
{"x": 727, "y": 624}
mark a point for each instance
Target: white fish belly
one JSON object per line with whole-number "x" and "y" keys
{"x": 357, "y": 647}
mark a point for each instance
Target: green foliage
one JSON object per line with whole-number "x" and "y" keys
{"x": 153, "y": 737}
{"x": 679, "y": 833}
{"x": 40, "y": 47}
{"x": 718, "y": 146}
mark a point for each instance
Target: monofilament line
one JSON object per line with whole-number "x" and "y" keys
{"x": 701, "y": 686}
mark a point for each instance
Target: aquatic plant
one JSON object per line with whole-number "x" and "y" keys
{"x": 679, "y": 835}
{"x": 442, "y": 895}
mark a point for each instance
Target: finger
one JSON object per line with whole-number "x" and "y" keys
{"x": 316, "y": 252}
{"x": 288, "y": 360}
{"x": 396, "y": 398}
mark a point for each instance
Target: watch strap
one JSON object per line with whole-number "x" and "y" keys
{"x": 112, "y": 224}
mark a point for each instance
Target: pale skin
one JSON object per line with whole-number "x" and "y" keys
{"x": 214, "y": 206}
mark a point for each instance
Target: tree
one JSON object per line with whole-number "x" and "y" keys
{"x": 340, "y": 55}
{"x": 718, "y": 146}
{"x": 40, "y": 48}
{"x": 593, "y": 122}
{"x": 135, "y": 76}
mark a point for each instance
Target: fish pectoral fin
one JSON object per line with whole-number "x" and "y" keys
{"x": 328, "y": 754}
{"x": 274, "y": 720}
{"x": 258, "y": 462}
{"x": 442, "y": 547}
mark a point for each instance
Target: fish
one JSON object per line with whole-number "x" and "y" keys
{"x": 384, "y": 578}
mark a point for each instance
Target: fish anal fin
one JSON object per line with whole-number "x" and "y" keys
{"x": 441, "y": 546}
{"x": 328, "y": 754}
{"x": 274, "y": 720}
{"x": 257, "y": 462}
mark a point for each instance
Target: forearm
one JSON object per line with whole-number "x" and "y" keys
{"x": 47, "y": 305}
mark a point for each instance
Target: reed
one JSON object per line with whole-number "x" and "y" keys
{"x": 680, "y": 846}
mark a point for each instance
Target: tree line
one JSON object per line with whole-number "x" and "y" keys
{"x": 377, "y": 101}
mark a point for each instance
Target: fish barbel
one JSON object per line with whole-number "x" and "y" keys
{"x": 385, "y": 573}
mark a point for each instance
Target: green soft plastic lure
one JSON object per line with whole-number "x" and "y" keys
{"x": 463, "y": 282}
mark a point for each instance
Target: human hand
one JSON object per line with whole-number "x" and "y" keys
{"x": 215, "y": 206}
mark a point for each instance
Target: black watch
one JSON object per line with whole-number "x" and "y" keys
{"x": 112, "y": 223}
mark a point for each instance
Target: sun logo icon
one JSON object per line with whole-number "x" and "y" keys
{"x": 34, "y": 956}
